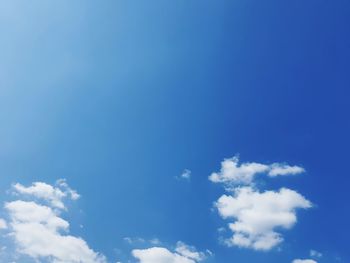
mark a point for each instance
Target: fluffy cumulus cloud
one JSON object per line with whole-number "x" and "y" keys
{"x": 38, "y": 230}
{"x": 303, "y": 261}
{"x": 182, "y": 254}
{"x": 232, "y": 172}
{"x": 53, "y": 194}
{"x": 256, "y": 215}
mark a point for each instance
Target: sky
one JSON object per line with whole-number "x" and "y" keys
{"x": 174, "y": 131}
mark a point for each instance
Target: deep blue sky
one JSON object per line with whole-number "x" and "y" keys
{"x": 119, "y": 97}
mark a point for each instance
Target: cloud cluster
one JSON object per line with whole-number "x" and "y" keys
{"x": 255, "y": 218}
{"x": 140, "y": 240}
{"x": 182, "y": 254}
{"x": 40, "y": 232}
{"x": 232, "y": 172}
{"x": 256, "y": 215}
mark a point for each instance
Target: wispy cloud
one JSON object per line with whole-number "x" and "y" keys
{"x": 315, "y": 254}
{"x": 140, "y": 240}
{"x": 185, "y": 175}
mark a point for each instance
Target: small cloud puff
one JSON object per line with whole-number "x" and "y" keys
{"x": 186, "y": 175}
{"x": 258, "y": 214}
{"x": 182, "y": 254}
{"x": 38, "y": 230}
{"x": 140, "y": 240}
{"x": 133, "y": 240}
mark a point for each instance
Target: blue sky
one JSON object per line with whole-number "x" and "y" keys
{"x": 120, "y": 97}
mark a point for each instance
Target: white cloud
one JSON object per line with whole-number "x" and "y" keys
{"x": 159, "y": 255}
{"x": 39, "y": 232}
{"x": 54, "y": 195}
{"x": 315, "y": 254}
{"x": 189, "y": 252}
{"x": 186, "y": 174}
{"x": 277, "y": 169}
{"x": 140, "y": 240}
{"x": 182, "y": 254}
{"x": 303, "y": 261}
{"x": 258, "y": 214}
{"x": 3, "y": 224}
{"x": 73, "y": 194}
{"x": 232, "y": 172}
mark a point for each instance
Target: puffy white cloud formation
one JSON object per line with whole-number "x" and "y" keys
{"x": 258, "y": 214}
{"x": 47, "y": 192}
{"x": 303, "y": 261}
{"x": 38, "y": 230}
{"x": 232, "y": 172}
{"x": 182, "y": 254}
